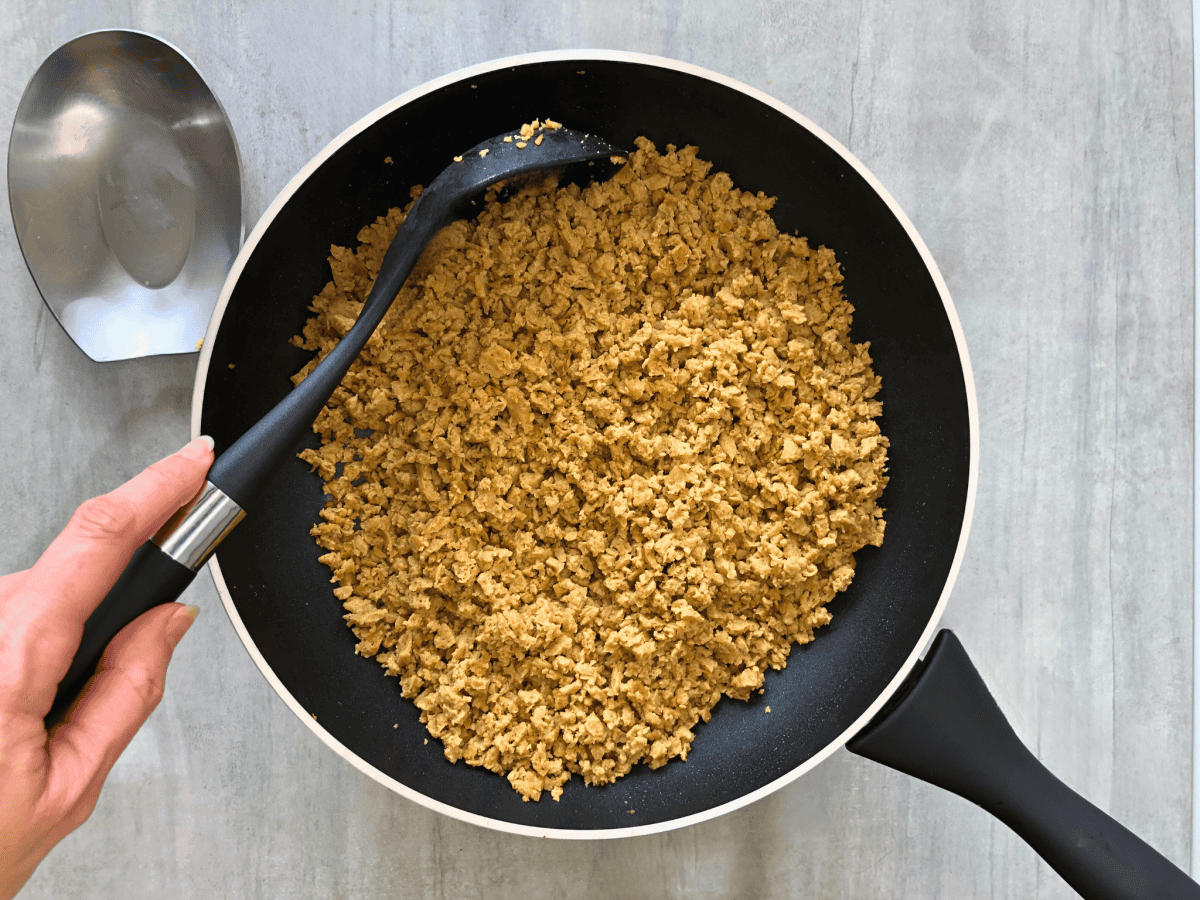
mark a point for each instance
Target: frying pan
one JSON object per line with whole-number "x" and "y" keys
{"x": 281, "y": 601}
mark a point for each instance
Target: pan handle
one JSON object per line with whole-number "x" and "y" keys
{"x": 944, "y": 727}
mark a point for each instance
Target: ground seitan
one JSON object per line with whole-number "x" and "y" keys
{"x": 605, "y": 460}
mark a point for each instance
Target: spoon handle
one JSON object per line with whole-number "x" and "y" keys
{"x": 163, "y": 567}
{"x": 152, "y": 577}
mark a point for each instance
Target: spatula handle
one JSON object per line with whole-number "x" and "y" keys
{"x": 158, "y": 572}
{"x": 246, "y": 467}
{"x": 946, "y": 729}
{"x": 151, "y": 578}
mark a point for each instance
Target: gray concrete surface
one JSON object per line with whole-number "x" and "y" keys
{"x": 1044, "y": 151}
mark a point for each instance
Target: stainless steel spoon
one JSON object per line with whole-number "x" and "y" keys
{"x": 126, "y": 194}
{"x": 162, "y": 567}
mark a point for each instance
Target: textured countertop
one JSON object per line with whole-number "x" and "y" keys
{"x": 1045, "y": 153}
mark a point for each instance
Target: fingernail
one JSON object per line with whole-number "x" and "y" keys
{"x": 199, "y": 448}
{"x": 180, "y": 623}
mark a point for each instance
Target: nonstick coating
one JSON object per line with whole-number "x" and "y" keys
{"x": 283, "y": 596}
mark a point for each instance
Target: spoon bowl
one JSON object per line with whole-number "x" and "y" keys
{"x": 126, "y": 194}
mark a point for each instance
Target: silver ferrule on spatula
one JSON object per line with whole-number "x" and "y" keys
{"x": 191, "y": 535}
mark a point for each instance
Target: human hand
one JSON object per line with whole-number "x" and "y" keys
{"x": 49, "y": 783}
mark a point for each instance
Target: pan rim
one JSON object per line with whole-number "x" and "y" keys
{"x": 586, "y": 55}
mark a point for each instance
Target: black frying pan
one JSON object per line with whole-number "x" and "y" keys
{"x": 280, "y": 598}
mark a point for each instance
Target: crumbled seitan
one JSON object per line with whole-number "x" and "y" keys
{"x": 606, "y": 459}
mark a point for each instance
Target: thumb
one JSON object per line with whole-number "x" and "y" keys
{"x": 127, "y": 686}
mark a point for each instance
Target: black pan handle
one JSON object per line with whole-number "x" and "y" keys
{"x": 944, "y": 727}
{"x": 151, "y": 578}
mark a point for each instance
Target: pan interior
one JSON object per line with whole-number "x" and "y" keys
{"x": 283, "y": 595}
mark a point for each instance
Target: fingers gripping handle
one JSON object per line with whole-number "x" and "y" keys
{"x": 151, "y": 578}
{"x": 947, "y": 730}
{"x": 158, "y": 572}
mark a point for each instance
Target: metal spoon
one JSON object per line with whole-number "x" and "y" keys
{"x": 163, "y": 566}
{"x": 126, "y": 194}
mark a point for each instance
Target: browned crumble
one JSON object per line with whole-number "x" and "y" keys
{"x": 607, "y": 457}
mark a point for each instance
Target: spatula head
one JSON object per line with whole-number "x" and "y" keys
{"x": 526, "y": 151}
